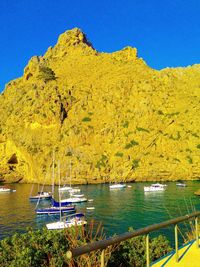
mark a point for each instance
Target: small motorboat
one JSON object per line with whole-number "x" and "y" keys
{"x": 74, "y": 200}
{"x": 77, "y": 219}
{"x": 90, "y": 208}
{"x": 64, "y": 188}
{"x": 41, "y": 196}
{"x": 55, "y": 210}
{"x": 74, "y": 190}
{"x": 181, "y": 184}
{"x": 6, "y": 190}
{"x": 117, "y": 186}
{"x": 155, "y": 187}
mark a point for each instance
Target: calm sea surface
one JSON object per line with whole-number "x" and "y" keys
{"x": 116, "y": 209}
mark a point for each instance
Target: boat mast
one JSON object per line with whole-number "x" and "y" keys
{"x": 70, "y": 170}
{"x": 59, "y": 188}
{"x": 53, "y": 172}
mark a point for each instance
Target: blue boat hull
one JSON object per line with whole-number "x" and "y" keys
{"x": 55, "y": 210}
{"x": 55, "y": 203}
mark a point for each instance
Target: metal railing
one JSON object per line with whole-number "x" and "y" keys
{"x": 103, "y": 244}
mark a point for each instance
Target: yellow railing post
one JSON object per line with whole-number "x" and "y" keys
{"x": 147, "y": 250}
{"x": 176, "y": 241}
{"x": 196, "y": 232}
{"x": 103, "y": 258}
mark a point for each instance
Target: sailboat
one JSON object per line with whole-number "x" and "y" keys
{"x": 77, "y": 219}
{"x": 41, "y": 195}
{"x": 55, "y": 207}
{"x": 67, "y": 221}
{"x": 56, "y": 210}
{"x": 74, "y": 198}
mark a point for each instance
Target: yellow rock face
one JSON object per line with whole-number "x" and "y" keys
{"x": 110, "y": 115}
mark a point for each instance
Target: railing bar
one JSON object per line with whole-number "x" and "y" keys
{"x": 147, "y": 250}
{"x": 176, "y": 241}
{"x": 102, "y": 244}
{"x": 103, "y": 258}
{"x": 197, "y": 232}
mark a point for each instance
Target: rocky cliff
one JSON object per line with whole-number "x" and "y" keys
{"x": 109, "y": 114}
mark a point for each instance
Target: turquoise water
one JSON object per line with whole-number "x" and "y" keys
{"x": 116, "y": 209}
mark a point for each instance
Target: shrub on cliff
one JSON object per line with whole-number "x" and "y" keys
{"x": 46, "y": 74}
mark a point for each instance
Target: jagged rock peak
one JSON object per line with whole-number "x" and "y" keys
{"x": 73, "y": 37}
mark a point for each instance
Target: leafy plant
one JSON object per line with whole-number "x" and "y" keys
{"x": 140, "y": 129}
{"x": 135, "y": 163}
{"x": 132, "y": 253}
{"x": 86, "y": 119}
{"x": 131, "y": 144}
{"x": 46, "y": 74}
{"x": 189, "y": 159}
{"x": 49, "y": 248}
{"x": 125, "y": 124}
{"x": 119, "y": 154}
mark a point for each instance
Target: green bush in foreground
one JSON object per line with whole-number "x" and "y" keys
{"x": 132, "y": 253}
{"x": 35, "y": 248}
{"x": 48, "y": 248}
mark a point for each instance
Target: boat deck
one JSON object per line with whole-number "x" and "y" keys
{"x": 189, "y": 256}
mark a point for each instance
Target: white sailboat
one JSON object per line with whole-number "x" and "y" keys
{"x": 74, "y": 198}
{"x": 76, "y": 219}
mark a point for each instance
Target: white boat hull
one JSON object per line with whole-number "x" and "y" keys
{"x": 181, "y": 185}
{"x": 74, "y": 200}
{"x": 64, "y": 188}
{"x": 74, "y": 190}
{"x": 117, "y": 186}
{"x": 5, "y": 190}
{"x": 62, "y": 225}
{"x": 149, "y": 189}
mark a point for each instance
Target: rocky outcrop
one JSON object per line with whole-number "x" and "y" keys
{"x": 109, "y": 114}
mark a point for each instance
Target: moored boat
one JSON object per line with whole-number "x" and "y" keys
{"x": 77, "y": 195}
{"x": 64, "y": 188}
{"x": 155, "y": 187}
{"x": 77, "y": 219}
{"x": 6, "y": 190}
{"x": 55, "y": 210}
{"x": 181, "y": 184}
{"x": 55, "y": 203}
{"x": 42, "y": 196}
{"x": 74, "y": 190}
{"x": 117, "y": 186}
{"x": 74, "y": 200}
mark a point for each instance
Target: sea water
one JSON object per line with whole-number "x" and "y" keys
{"x": 118, "y": 210}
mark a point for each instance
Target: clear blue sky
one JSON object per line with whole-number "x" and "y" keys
{"x": 166, "y": 33}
